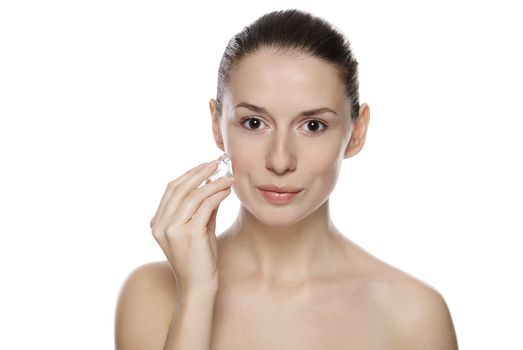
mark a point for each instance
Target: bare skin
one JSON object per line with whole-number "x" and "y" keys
{"x": 355, "y": 302}
{"x": 288, "y": 278}
{"x": 360, "y": 302}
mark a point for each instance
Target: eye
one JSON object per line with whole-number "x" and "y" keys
{"x": 255, "y": 123}
{"x": 316, "y": 123}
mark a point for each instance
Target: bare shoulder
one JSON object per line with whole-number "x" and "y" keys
{"x": 419, "y": 314}
{"x": 145, "y": 306}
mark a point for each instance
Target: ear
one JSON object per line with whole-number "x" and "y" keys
{"x": 216, "y": 127}
{"x": 359, "y": 131}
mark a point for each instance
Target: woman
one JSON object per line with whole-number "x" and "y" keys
{"x": 282, "y": 276}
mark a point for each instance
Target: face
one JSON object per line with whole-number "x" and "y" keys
{"x": 269, "y": 138}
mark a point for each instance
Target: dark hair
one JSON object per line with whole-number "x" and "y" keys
{"x": 292, "y": 31}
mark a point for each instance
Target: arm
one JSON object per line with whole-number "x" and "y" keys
{"x": 151, "y": 316}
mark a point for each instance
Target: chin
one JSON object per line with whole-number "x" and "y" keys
{"x": 282, "y": 220}
{"x": 279, "y": 214}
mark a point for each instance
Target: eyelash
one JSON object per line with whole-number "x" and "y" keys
{"x": 325, "y": 125}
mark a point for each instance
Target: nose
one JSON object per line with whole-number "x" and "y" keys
{"x": 281, "y": 156}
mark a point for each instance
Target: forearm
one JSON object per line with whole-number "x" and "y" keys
{"x": 191, "y": 326}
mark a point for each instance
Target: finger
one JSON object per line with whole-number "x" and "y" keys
{"x": 192, "y": 202}
{"x": 201, "y": 218}
{"x": 169, "y": 190}
{"x": 174, "y": 205}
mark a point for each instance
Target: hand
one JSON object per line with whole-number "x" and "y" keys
{"x": 184, "y": 226}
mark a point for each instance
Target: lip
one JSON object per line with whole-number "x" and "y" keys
{"x": 278, "y": 197}
{"x": 280, "y": 189}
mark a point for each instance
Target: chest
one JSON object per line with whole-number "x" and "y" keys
{"x": 299, "y": 319}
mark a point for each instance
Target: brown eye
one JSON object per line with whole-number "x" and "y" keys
{"x": 253, "y": 123}
{"x": 315, "y": 124}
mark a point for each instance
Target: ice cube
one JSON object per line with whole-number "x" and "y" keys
{"x": 224, "y": 168}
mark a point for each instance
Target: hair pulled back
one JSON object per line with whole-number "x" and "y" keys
{"x": 287, "y": 32}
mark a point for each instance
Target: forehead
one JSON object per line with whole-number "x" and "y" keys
{"x": 291, "y": 82}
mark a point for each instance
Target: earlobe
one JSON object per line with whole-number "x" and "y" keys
{"x": 212, "y": 107}
{"x": 352, "y": 147}
{"x": 359, "y": 132}
{"x": 216, "y": 128}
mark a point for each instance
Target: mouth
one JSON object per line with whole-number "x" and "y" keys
{"x": 280, "y": 189}
{"x": 274, "y": 197}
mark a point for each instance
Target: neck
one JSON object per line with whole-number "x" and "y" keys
{"x": 294, "y": 252}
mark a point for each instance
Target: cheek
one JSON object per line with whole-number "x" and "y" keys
{"x": 323, "y": 167}
{"x": 322, "y": 158}
{"x": 325, "y": 171}
{"x": 245, "y": 155}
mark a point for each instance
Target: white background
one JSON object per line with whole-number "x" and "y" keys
{"x": 102, "y": 103}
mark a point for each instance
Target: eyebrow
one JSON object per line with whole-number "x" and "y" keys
{"x": 308, "y": 113}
